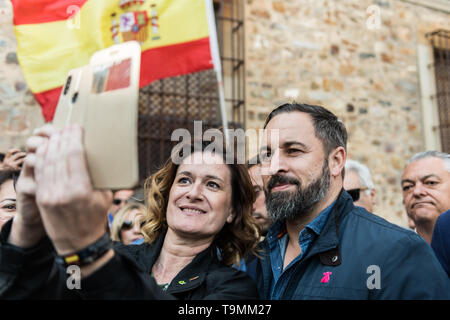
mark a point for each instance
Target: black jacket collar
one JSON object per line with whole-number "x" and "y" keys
{"x": 190, "y": 276}
{"x": 327, "y": 245}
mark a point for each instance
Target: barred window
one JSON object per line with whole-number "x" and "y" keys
{"x": 175, "y": 102}
{"x": 440, "y": 41}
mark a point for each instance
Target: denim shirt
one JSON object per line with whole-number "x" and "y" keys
{"x": 278, "y": 240}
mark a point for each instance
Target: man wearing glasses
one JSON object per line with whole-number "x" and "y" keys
{"x": 120, "y": 198}
{"x": 358, "y": 183}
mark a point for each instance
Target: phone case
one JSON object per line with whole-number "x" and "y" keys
{"x": 103, "y": 97}
{"x": 111, "y": 123}
{"x": 73, "y": 101}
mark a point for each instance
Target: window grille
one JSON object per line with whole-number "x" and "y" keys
{"x": 441, "y": 53}
{"x": 175, "y": 102}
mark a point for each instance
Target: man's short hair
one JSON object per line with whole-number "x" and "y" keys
{"x": 362, "y": 171}
{"x": 328, "y": 128}
{"x": 432, "y": 154}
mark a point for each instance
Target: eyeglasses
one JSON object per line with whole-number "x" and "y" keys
{"x": 355, "y": 193}
{"x": 117, "y": 202}
{"x": 128, "y": 225}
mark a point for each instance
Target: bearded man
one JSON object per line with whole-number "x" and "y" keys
{"x": 321, "y": 246}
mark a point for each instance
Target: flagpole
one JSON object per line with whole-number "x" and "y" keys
{"x": 217, "y": 64}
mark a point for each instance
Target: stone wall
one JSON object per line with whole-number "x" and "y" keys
{"x": 332, "y": 53}
{"x": 338, "y": 54}
{"x": 19, "y": 111}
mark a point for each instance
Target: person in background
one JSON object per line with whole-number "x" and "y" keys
{"x": 8, "y": 180}
{"x": 440, "y": 242}
{"x": 12, "y": 160}
{"x": 259, "y": 211}
{"x": 126, "y": 227}
{"x": 426, "y": 189}
{"x": 358, "y": 183}
{"x": 120, "y": 198}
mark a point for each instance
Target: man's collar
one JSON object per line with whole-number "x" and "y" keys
{"x": 317, "y": 224}
{"x": 278, "y": 228}
{"x": 327, "y": 244}
{"x": 329, "y": 237}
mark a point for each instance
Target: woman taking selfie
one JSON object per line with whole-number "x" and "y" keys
{"x": 197, "y": 226}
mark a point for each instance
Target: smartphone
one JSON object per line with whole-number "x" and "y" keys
{"x": 103, "y": 98}
{"x": 73, "y": 101}
{"x": 111, "y": 122}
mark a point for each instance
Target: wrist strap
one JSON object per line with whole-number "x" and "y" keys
{"x": 87, "y": 255}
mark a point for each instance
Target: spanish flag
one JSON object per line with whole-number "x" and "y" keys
{"x": 55, "y": 36}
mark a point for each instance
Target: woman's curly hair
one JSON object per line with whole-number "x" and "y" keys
{"x": 236, "y": 239}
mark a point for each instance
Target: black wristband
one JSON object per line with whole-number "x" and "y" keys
{"x": 87, "y": 255}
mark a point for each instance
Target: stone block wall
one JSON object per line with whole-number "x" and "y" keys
{"x": 19, "y": 111}
{"x": 356, "y": 57}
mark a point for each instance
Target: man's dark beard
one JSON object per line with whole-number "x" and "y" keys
{"x": 290, "y": 205}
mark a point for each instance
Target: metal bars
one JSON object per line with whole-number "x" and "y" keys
{"x": 175, "y": 102}
{"x": 440, "y": 41}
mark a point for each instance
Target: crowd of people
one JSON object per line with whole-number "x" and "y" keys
{"x": 296, "y": 222}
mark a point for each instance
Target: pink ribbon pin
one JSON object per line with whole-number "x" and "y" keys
{"x": 326, "y": 277}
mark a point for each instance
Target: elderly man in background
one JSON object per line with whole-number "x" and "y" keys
{"x": 426, "y": 190}
{"x": 358, "y": 183}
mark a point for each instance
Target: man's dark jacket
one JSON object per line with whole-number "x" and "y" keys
{"x": 32, "y": 273}
{"x": 440, "y": 241}
{"x": 359, "y": 255}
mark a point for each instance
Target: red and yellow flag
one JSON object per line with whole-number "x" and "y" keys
{"x": 55, "y": 36}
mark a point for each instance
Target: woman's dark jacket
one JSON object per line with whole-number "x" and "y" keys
{"x": 33, "y": 273}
